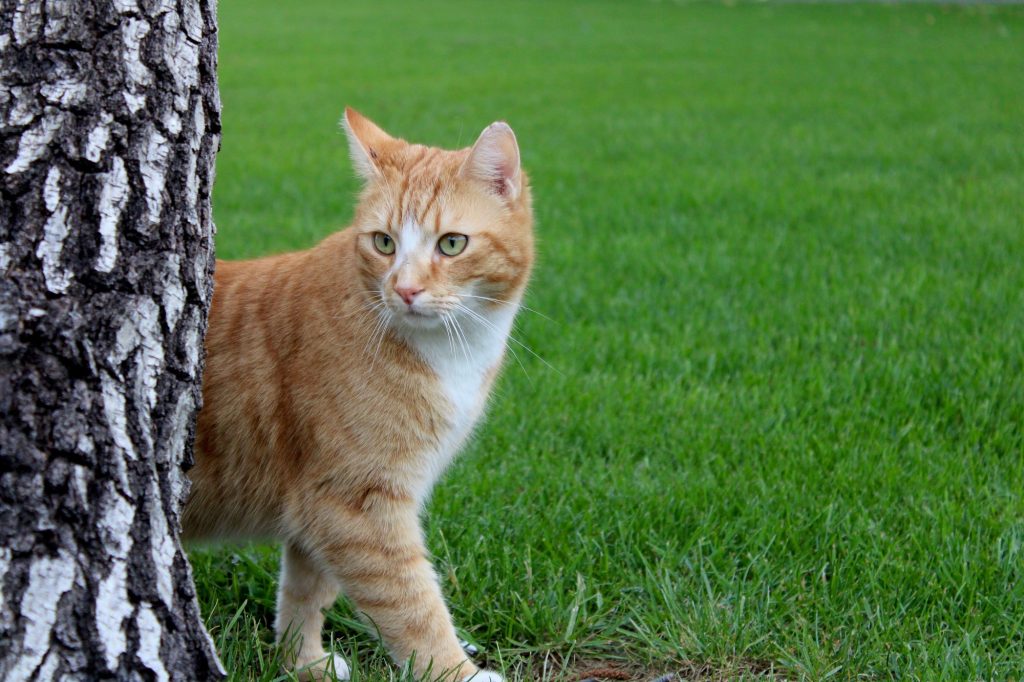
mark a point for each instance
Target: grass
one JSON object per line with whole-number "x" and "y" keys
{"x": 781, "y": 247}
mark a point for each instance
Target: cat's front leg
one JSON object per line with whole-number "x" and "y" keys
{"x": 305, "y": 590}
{"x": 377, "y": 552}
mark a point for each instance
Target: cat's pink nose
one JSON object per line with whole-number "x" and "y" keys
{"x": 408, "y": 293}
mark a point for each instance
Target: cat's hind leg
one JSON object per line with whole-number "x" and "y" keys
{"x": 304, "y": 592}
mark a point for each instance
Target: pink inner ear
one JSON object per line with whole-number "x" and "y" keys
{"x": 494, "y": 159}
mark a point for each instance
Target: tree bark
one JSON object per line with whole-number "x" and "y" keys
{"x": 109, "y": 123}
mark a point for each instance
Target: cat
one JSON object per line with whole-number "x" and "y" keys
{"x": 340, "y": 381}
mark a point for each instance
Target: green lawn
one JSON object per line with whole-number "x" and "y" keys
{"x": 781, "y": 249}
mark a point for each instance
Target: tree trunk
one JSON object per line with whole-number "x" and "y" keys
{"x": 109, "y": 123}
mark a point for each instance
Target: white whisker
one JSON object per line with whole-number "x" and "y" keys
{"x": 483, "y": 320}
{"x": 380, "y": 341}
{"x": 511, "y": 338}
{"x": 503, "y": 302}
{"x": 448, "y": 331}
{"x": 371, "y": 305}
{"x": 379, "y": 330}
{"x": 463, "y": 341}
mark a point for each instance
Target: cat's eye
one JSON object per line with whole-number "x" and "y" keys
{"x": 452, "y": 244}
{"x": 383, "y": 243}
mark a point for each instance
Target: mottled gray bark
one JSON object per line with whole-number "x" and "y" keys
{"x": 109, "y": 123}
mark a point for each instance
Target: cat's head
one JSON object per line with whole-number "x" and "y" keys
{"x": 438, "y": 231}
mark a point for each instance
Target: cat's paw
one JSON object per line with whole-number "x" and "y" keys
{"x": 484, "y": 676}
{"x": 339, "y": 667}
{"x": 334, "y": 667}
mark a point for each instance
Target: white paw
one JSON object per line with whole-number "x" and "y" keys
{"x": 484, "y": 676}
{"x": 337, "y": 665}
{"x": 324, "y": 669}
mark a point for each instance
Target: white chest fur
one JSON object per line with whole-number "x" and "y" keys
{"x": 463, "y": 362}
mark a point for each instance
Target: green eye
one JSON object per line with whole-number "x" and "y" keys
{"x": 383, "y": 243}
{"x": 452, "y": 244}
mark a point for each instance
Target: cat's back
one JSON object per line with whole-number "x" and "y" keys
{"x": 278, "y": 310}
{"x": 239, "y": 376}
{"x": 257, "y": 345}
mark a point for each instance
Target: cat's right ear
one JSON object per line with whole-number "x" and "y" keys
{"x": 366, "y": 142}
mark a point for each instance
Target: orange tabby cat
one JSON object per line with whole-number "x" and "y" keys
{"x": 340, "y": 382}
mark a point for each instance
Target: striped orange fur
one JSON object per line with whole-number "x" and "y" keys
{"x": 340, "y": 381}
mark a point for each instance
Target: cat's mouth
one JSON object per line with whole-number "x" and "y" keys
{"x": 419, "y": 317}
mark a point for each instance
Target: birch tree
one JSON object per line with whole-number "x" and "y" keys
{"x": 109, "y": 123}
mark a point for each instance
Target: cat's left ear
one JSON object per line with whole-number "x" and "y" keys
{"x": 366, "y": 142}
{"x": 494, "y": 160}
